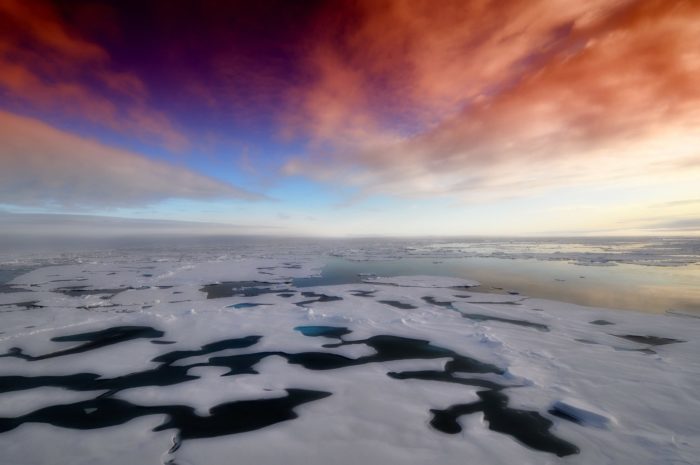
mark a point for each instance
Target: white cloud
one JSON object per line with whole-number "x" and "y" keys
{"x": 43, "y": 166}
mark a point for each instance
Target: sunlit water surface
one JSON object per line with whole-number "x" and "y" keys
{"x": 623, "y": 286}
{"x": 644, "y": 274}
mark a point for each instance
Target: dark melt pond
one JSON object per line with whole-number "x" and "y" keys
{"x": 528, "y": 427}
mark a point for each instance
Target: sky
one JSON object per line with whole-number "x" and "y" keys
{"x": 352, "y": 118}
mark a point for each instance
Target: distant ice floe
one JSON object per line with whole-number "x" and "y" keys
{"x": 580, "y": 251}
{"x": 203, "y": 357}
{"x": 423, "y": 281}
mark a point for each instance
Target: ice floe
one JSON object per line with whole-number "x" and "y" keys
{"x": 203, "y": 359}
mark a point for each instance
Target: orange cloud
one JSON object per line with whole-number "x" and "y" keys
{"x": 40, "y": 21}
{"x": 45, "y": 64}
{"x": 41, "y": 165}
{"x": 503, "y": 98}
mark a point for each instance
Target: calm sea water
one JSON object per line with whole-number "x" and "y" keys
{"x": 623, "y": 286}
{"x": 10, "y": 273}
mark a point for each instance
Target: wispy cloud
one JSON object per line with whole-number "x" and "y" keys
{"x": 46, "y": 66}
{"x": 686, "y": 224}
{"x": 506, "y": 100}
{"x": 56, "y": 226}
{"x": 678, "y": 203}
{"x": 41, "y": 165}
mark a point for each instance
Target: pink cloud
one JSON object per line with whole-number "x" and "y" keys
{"x": 502, "y": 99}
{"x": 45, "y": 64}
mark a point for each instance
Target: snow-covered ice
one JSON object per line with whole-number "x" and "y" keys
{"x": 202, "y": 359}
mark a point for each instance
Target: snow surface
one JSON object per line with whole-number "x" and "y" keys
{"x": 140, "y": 336}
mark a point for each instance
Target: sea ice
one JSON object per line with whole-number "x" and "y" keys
{"x": 129, "y": 360}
